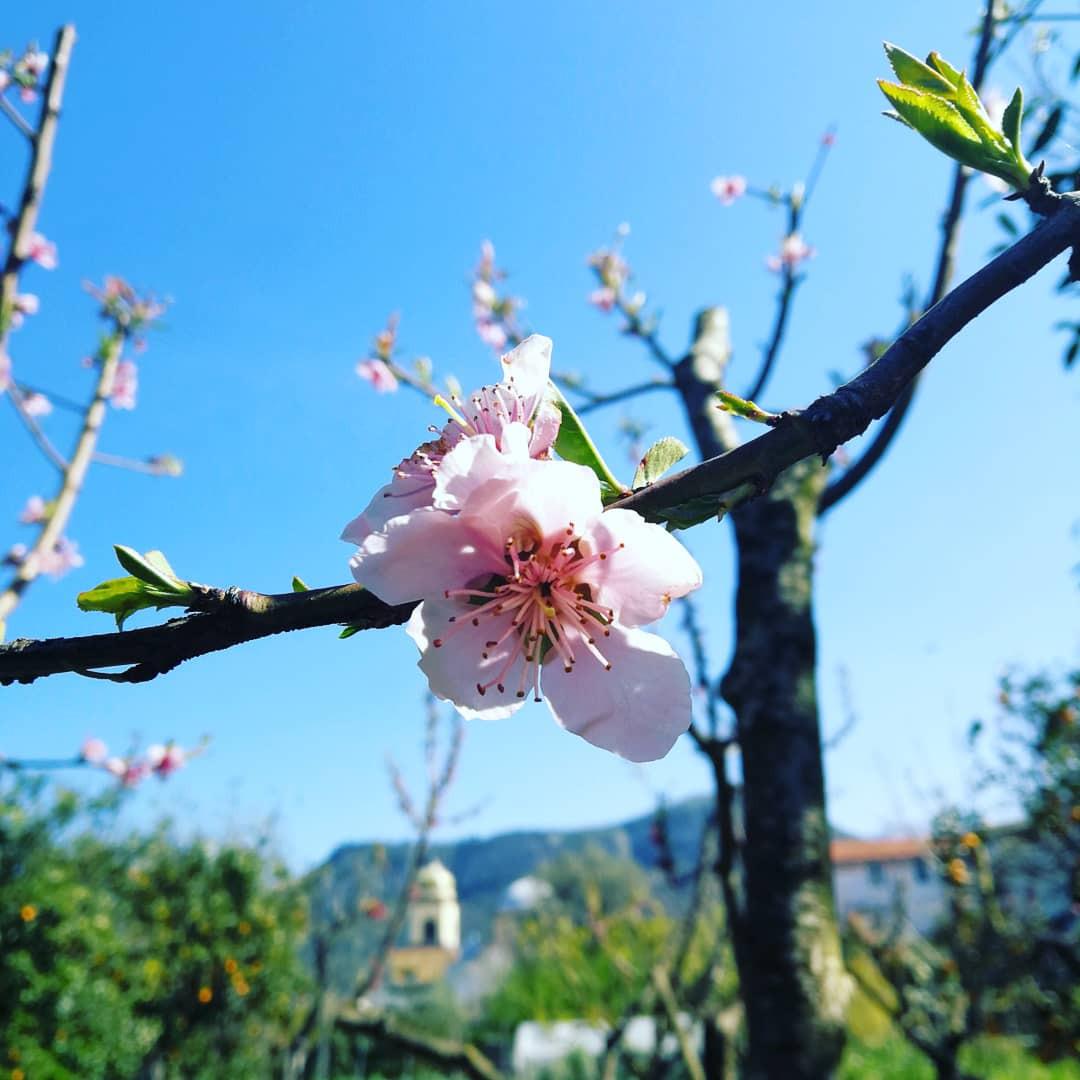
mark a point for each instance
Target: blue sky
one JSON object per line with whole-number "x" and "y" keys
{"x": 290, "y": 173}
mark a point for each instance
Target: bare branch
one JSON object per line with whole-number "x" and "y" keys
{"x": 52, "y": 528}
{"x": 16, "y": 118}
{"x": 598, "y": 401}
{"x": 37, "y": 433}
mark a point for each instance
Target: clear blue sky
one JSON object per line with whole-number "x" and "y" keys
{"x": 292, "y": 172}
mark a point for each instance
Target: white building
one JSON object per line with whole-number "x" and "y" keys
{"x": 869, "y": 875}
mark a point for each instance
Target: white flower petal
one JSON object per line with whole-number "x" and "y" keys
{"x": 637, "y": 709}
{"x": 420, "y": 555}
{"x": 399, "y": 497}
{"x": 640, "y": 579}
{"x": 542, "y": 498}
{"x": 457, "y": 667}
{"x": 527, "y": 368}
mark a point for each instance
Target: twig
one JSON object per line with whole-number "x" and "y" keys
{"x": 71, "y": 483}
{"x": 37, "y": 432}
{"x": 817, "y": 430}
{"x": 16, "y": 118}
{"x": 25, "y": 220}
{"x": 667, "y": 998}
{"x": 597, "y": 401}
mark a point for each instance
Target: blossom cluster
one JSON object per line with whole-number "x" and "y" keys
{"x": 376, "y": 368}
{"x": 160, "y": 760}
{"x": 613, "y": 274}
{"x": 24, "y": 72}
{"x": 56, "y": 560}
{"x": 131, "y": 316}
{"x": 527, "y": 586}
{"x": 38, "y": 249}
{"x": 494, "y": 315}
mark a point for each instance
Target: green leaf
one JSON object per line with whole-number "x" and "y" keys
{"x": 732, "y": 403}
{"x": 945, "y": 69}
{"x": 122, "y": 597}
{"x": 661, "y": 456}
{"x": 153, "y": 568}
{"x": 348, "y": 632}
{"x": 911, "y": 71}
{"x": 298, "y": 585}
{"x": 1012, "y": 119}
{"x": 574, "y": 444}
{"x": 936, "y": 120}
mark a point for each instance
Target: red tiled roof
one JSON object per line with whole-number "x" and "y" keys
{"x": 854, "y": 851}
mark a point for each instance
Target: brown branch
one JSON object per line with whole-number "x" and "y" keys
{"x": 598, "y": 401}
{"x": 816, "y": 430}
{"x": 944, "y": 270}
{"x": 25, "y": 220}
{"x": 37, "y": 433}
{"x": 837, "y": 417}
{"x": 443, "y": 1053}
{"x": 53, "y": 526}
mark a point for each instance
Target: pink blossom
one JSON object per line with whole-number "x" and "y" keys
{"x": 34, "y": 61}
{"x": 611, "y": 268}
{"x": 485, "y": 268}
{"x": 34, "y": 512}
{"x": 728, "y": 188}
{"x": 41, "y": 251}
{"x": 23, "y": 304}
{"x": 63, "y": 557}
{"x": 484, "y": 296}
{"x": 377, "y": 373}
{"x": 794, "y": 250}
{"x": 492, "y": 334}
{"x": 523, "y": 581}
{"x": 27, "y": 95}
{"x": 5, "y": 80}
{"x": 603, "y": 298}
{"x": 514, "y": 412}
{"x": 93, "y": 751}
{"x": 125, "y": 385}
{"x": 15, "y": 556}
{"x": 129, "y": 771}
{"x": 829, "y": 138}
{"x": 163, "y": 761}
{"x": 36, "y": 404}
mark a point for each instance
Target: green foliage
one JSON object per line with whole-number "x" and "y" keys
{"x": 661, "y": 456}
{"x": 121, "y": 956}
{"x": 573, "y": 443}
{"x": 152, "y": 584}
{"x": 940, "y": 104}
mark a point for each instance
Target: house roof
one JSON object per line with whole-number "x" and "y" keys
{"x": 892, "y": 850}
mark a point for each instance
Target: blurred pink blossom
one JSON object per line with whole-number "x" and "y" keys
{"x": 829, "y": 138}
{"x": 93, "y": 751}
{"x": 41, "y": 251}
{"x": 15, "y": 555}
{"x": 34, "y": 512}
{"x": 27, "y": 95}
{"x": 492, "y": 334}
{"x": 5, "y": 80}
{"x": 603, "y": 298}
{"x": 129, "y": 771}
{"x": 794, "y": 250}
{"x": 728, "y": 188}
{"x": 34, "y": 62}
{"x": 125, "y": 385}
{"x": 22, "y": 305}
{"x": 377, "y": 373}
{"x": 63, "y": 557}
{"x": 164, "y": 760}
{"x": 36, "y": 404}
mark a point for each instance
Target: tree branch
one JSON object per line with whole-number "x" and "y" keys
{"x": 816, "y": 430}
{"x": 71, "y": 482}
{"x": 850, "y": 479}
{"x": 598, "y": 401}
{"x": 849, "y": 410}
{"x": 37, "y": 433}
{"x": 16, "y": 118}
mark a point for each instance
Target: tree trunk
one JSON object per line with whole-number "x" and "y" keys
{"x": 794, "y": 985}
